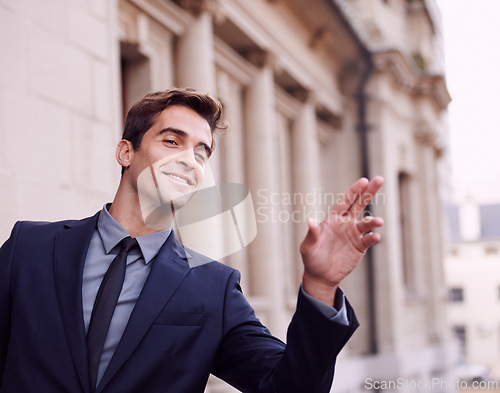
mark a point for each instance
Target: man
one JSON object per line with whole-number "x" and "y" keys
{"x": 178, "y": 316}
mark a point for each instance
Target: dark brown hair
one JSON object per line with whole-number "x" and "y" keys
{"x": 144, "y": 112}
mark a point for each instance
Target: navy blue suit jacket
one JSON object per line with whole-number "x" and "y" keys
{"x": 188, "y": 322}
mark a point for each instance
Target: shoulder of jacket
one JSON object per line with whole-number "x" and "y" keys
{"x": 50, "y": 226}
{"x": 197, "y": 260}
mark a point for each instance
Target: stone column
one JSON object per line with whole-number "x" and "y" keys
{"x": 432, "y": 237}
{"x": 195, "y": 54}
{"x": 306, "y": 165}
{"x": 265, "y": 260}
{"x": 389, "y": 291}
{"x": 305, "y": 170}
{"x": 231, "y": 146}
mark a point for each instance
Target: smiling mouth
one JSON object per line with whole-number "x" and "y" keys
{"x": 179, "y": 178}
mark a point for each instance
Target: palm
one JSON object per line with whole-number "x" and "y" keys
{"x": 334, "y": 247}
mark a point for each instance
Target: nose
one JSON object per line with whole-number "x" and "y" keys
{"x": 186, "y": 158}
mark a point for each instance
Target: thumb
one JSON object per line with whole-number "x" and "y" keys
{"x": 314, "y": 231}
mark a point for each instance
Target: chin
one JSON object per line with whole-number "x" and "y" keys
{"x": 178, "y": 201}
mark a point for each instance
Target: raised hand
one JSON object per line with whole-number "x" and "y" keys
{"x": 333, "y": 248}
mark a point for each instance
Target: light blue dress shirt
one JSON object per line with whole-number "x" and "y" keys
{"x": 103, "y": 248}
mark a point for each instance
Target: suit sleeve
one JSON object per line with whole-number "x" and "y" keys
{"x": 254, "y": 361}
{"x": 6, "y": 256}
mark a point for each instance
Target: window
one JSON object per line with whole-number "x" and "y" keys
{"x": 456, "y": 295}
{"x": 491, "y": 250}
{"x": 404, "y": 215}
{"x": 135, "y": 75}
{"x": 460, "y": 333}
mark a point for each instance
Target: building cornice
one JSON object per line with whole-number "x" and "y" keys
{"x": 427, "y": 136}
{"x": 354, "y": 24}
{"x": 270, "y": 49}
{"x": 197, "y": 7}
{"x": 165, "y": 13}
{"x": 410, "y": 79}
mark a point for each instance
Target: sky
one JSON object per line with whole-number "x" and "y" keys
{"x": 471, "y": 41}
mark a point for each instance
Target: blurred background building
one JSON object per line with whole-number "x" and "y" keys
{"x": 316, "y": 93}
{"x": 473, "y": 279}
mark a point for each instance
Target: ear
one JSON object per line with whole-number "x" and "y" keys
{"x": 124, "y": 153}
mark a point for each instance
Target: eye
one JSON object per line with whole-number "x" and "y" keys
{"x": 170, "y": 142}
{"x": 201, "y": 158}
{"x": 201, "y": 155}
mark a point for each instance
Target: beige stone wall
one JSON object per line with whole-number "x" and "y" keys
{"x": 58, "y": 123}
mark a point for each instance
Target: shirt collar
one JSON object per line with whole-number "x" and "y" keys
{"x": 112, "y": 233}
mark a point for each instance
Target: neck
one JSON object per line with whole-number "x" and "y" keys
{"x": 126, "y": 210}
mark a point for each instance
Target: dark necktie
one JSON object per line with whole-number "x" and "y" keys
{"x": 104, "y": 306}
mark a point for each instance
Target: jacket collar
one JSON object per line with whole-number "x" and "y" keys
{"x": 71, "y": 245}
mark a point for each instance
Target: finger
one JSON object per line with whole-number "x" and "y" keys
{"x": 370, "y": 239}
{"x": 313, "y": 233}
{"x": 350, "y": 197}
{"x": 366, "y": 196}
{"x": 369, "y": 223}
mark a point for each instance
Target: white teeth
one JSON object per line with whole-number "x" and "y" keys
{"x": 178, "y": 178}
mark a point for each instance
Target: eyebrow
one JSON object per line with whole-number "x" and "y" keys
{"x": 184, "y": 134}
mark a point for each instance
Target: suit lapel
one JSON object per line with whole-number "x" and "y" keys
{"x": 71, "y": 247}
{"x": 168, "y": 270}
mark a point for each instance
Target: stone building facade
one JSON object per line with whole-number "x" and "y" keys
{"x": 316, "y": 94}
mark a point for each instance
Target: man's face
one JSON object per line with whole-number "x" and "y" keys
{"x": 169, "y": 165}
